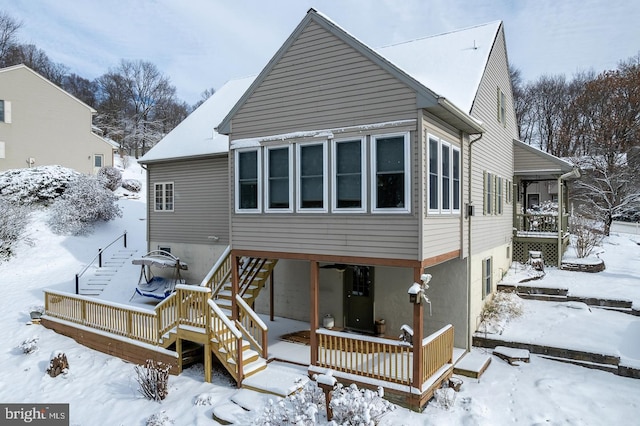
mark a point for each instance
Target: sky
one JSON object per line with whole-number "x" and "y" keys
{"x": 201, "y": 44}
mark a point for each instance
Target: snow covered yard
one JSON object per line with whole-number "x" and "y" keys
{"x": 103, "y": 390}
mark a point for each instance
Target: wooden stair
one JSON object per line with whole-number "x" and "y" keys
{"x": 254, "y": 275}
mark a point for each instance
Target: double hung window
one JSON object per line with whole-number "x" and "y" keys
{"x": 278, "y": 179}
{"x": 349, "y": 182}
{"x": 444, "y": 176}
{"x": 247, "y": 183}
{"x": 390, "y": 183}
{"x": 312, "y": 175}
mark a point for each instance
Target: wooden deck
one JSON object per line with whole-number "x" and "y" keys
{"x": 136, "y": 334}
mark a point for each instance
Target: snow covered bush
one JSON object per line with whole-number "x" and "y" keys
{"x": 499, "y": 310}
{"x": 41, "y": 184}
{"x": 300, "y": 408}
{"x": 153, "y": 379}
{"x": 30, "y": 345}
{"x": 353, "y": 406}
{"x": 585, "y": 235}
{"x": 132, "y": 185}
{"x": 445, "y": 397}
{"x": 110, "y": 177}
{"x": 86, "y": 201}
{"x": 58, "y": 364}
{"x": 13, "y": 221}
{"x": 160, "y": 419}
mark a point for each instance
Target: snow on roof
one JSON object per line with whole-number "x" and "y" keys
{"x": 450, "y": 64}
{"x": 195, "y": 135}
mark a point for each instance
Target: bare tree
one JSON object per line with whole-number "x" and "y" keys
{"x": 203, "y": 97}
{"x": 8, "y": 30}
{"x": 81, "y": 88}
{"x": 37, "y": 60}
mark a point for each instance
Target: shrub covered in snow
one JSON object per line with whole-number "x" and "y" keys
{"x": 58, "y": 364}
{"x": 300, "y": 408}
{"x": 30, "y": 345}
{"x": 160, "y": 419}
{"x": 41, "y": 184}
{"x": 499, "y": 310}
{"x": 110, "y": 177}
{"x": 353, "y": 406}
{"x": 132, "y": 185}
{"x": 13, "y": 221}
{"x": 586, "y": 235}
{"x": 153, "y": 379}
{"x": 86, "y": 201}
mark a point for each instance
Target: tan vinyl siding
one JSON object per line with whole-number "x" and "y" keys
{"x": 525, "y": 160}
{"x": 442, "y": 233}
{"x": 319, "y": 83}
{"x": 494, "y": 152}
{"x": 322, "y": 83}
{"x": 201, "y": 201}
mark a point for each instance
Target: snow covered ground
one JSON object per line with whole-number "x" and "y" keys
{"x": 102, "y": 390}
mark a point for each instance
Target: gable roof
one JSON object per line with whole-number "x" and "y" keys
{"x": 437, "y": 103}
{"x": 195, "y": 135}
{"x": 450, "y": 64}
{"x": 26, "y": 68}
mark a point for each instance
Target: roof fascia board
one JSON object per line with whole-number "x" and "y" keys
{"x": 185, "y": 158}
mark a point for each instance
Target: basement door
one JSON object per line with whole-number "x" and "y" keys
{"x": 358, "y": 302}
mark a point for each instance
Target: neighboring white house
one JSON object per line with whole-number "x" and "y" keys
{"x": 41, "y": 124}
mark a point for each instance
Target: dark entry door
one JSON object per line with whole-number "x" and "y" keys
{"x": 358, "y": 286}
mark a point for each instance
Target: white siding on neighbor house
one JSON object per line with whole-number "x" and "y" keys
{"x": 47, "y": 125}
{"x": 494, "y": 152}
{"x": 322, "y": 83}
{"x": 201, "y": 201}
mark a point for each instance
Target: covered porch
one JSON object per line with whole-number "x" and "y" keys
{"x": 541, "y": 216}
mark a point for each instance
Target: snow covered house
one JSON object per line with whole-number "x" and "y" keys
{"x": 41, "y": 124}
{"x": 330, "y": 189}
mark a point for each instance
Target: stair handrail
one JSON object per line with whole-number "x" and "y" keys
{"x": 223, "y": 261}
{"x": 228, "y": 326}
{"x": 250, "y": 276}
{"x": 250, "y": 324}
{"x": 99, "y": 258}
{"x": 161, "y": 309}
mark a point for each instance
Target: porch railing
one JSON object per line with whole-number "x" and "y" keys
{"x": 372, "y": 357}
{"x": 252, "y": 327}
{"x": 540, "y": 222}
{"x": 437, "y": 351}
{"x": 192, "y": 305}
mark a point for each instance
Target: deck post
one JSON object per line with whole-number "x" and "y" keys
{"x": 418, "y": 334}
{"x": 234, "y": 286}
{"x": 271, "y": 296}
{"x": 313, "y": 319}
{"x": 100, "y": 258}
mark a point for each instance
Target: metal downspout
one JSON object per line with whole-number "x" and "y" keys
{"x": 469, "y": 201}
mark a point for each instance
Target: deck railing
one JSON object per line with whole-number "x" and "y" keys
{"x": 252, "y": 327}
{"x": 539, "y": 222}
{"x": 192, "y": 305}
{"x": 123, "y": 320}
{"x": 372, "y": 357}
{"x": 98, "y": 257}
{"x": 437, "y": 351}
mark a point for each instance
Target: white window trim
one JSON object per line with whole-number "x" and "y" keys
{"x": 363, "y": 182}
{"x": 237, "y": 181}
{"x": 164, "y": 197}
{"x": 266, "y": 180}
{"x": 452, "y": 148}
{"x": 407, "y": 174}
{"x": 456, "y": 211}
{"x": 325, "y": 180}
{"x": 487, "y": 273}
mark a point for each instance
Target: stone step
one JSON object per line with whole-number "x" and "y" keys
{"x": 472, "y": 364}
